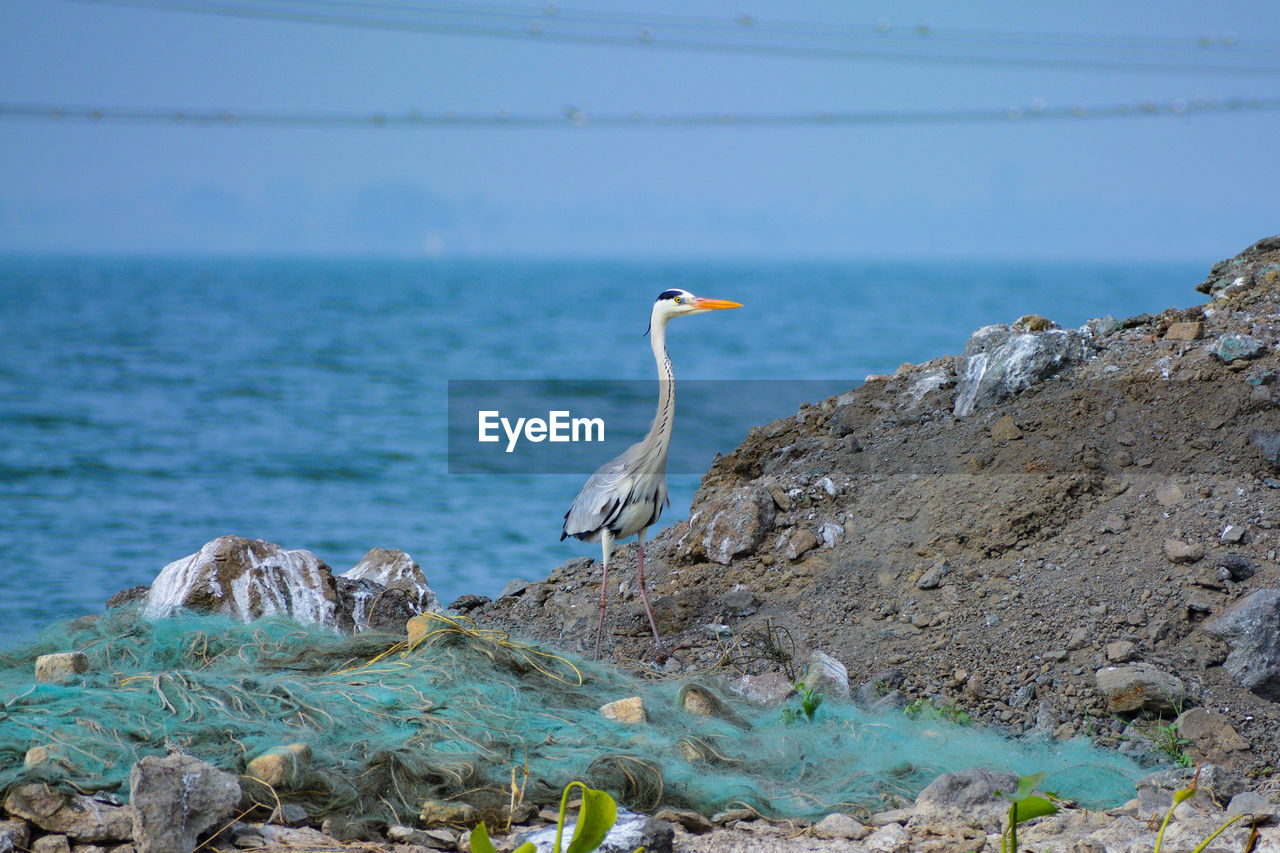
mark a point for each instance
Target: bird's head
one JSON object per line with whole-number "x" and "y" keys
{"x": 677, "y": 303}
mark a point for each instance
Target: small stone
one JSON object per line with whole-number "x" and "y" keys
{"x": 840, "y": 825}
{"x": 780, "y": 498}
{"x": 1005, "y": 430}
{"x": 933, "y": 577}
{"x": 51, "y": 844}
{"x": 281, "y": 767}
{"x": 831, "y": 534}
{"x": 1115, "y": 523}
{"x": 1237, "y": 566}
{"x": 825, "y": 674}
{"x": 36, "y": 755}
{"x": 629, "y": 710}
{"x": 691, "y": 822}
{"x": 1034, "y": 323}
{"x": 61, "y": 667}
{"x": 801, "y": 542}
{"x": 1182, "y": 552}
{"x": 1139, "y": 686}
{"x": 1170, "y": 494}
{"x": 1079, "y": 638}
{"x": 14, "y": 835}
{"x": 890, "y": 838}
{"x": 442, "y": 813}
{"x": 767, "y": 689}
{"x": 1121, "y": 651}
{"x": 1233, "y": 533}
{"x": 1192, "y": 331}
{"x": 1230, "y": 348}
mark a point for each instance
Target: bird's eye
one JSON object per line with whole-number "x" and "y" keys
{"x": 679, "y": 300}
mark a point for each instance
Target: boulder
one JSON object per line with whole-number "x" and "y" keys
{"x": 14, "y": 835}
{"x": 1213, "y": 740}
{"x": 247, "y": 579}
{"x": 76, "y": 816}
{"x": 396, "y": 570}
{"x": 997, "y": 363}
{"x": 175, "y": 799}
{"x": 1139, "y": 686}
{"x": 1252, "y": 630}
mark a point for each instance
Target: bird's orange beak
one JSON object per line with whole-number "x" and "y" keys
{"x": 716, "y": 303}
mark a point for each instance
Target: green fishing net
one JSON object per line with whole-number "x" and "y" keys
{"x": 463, "y": 714}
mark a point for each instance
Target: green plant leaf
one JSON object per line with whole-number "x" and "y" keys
{"x": 1035, "y": 806}
{"x": 480, "y": 842}
{"x": 597, "y": 816}
{"x": 1026, "y": 784}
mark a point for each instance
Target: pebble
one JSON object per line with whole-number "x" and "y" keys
{"x": 839, "y": 825}
{"x": 60, "y": 667}
{"x": 629, "y": 710}
{"x": 1178, "y": 551}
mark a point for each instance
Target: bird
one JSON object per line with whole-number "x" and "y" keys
{"x": 625, "y": 496}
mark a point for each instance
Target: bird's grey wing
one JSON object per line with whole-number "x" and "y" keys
{"x": 601, "y": 500}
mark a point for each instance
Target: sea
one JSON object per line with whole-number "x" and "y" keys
{"x": 149, "y": 405}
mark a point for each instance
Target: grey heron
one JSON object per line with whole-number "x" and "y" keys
{"x": 625, "y": 495}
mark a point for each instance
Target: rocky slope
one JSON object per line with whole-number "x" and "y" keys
{"x": 989, "y": 532}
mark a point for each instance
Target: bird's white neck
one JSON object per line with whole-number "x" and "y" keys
{"x": 664, "y": 419}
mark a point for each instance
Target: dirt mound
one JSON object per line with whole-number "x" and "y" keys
{"x": 987, "y": 531}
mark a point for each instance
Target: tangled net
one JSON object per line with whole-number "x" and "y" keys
{"x": 459, "y": 713}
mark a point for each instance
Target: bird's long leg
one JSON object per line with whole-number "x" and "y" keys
{"x": 644, "y": 596}
{"x": 606, "y": 541}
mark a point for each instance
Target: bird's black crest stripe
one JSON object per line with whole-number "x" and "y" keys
{"x": 669, "y": 294}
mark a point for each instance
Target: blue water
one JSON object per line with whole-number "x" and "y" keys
{"x": 149, "y": 405}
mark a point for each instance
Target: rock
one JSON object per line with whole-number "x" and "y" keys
{"x": 826, "y": 675}
{"x": 61, "y": 667}
{"x": 739, "y": 602}
{"x": 1079, "y": 638}
{"x": 768, "y": 689}
{"x": 1236, "y": 565}
{"x": 1215, "y": 789}
{"x": 832, "y": 533}
{"x": 844, "y": 420}
{"x": 393, "y": 569}
{"x": 1177, "y": 551}
{"x": 932, "y": 578}
{"x": 1034, "y": 323}
{"x": 737, "y": 525}
{"x": 282, "y": 767}
{"x": 1235, "y": 274}
{"x": 127, "y": 597}
{"x": 373, "y": 607}
{"x": 1139, "y": 686}
{"x": 1005, "y": 430}
{"x": 1213, "y": 739}
{"x": 175, "y": 799}
{"x": 14, "y": 835}
{"x": 1252, "y": 630}
{"x": 1268, "y": 441}
{"x": 840, "y": 825}
{"x": 967, "y": 797}
{"x": 1191, "y": 331}
{"x": 1232, "y": 347}
{"x": 998, "y": 363}
{"x": 51, "y": 844}
{"x": 468, "y": 602}
{"x": 701, "y": 702}
{"x": 247, "y": 579}
{"x": 1250, "y": 803}
{"x": 629, "y": 710}
{"x": 800, "y": 543}
{"x": 76, "y": 816}
{"x": 1121, "y": 651}
{"x": 691, "y": 822}
{"x": 890, "y": 838}
{"x": 1232, "y": 533}
{"x": 1169, "y": 494}
{"x": 631, "y": 831}
{"x": 440, "y": 813}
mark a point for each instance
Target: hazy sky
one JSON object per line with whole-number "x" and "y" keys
{"x": 1195, "y": 186}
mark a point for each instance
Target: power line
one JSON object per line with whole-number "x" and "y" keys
{"x": 575, "y": 118}
{"x": 506, "y": 23}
